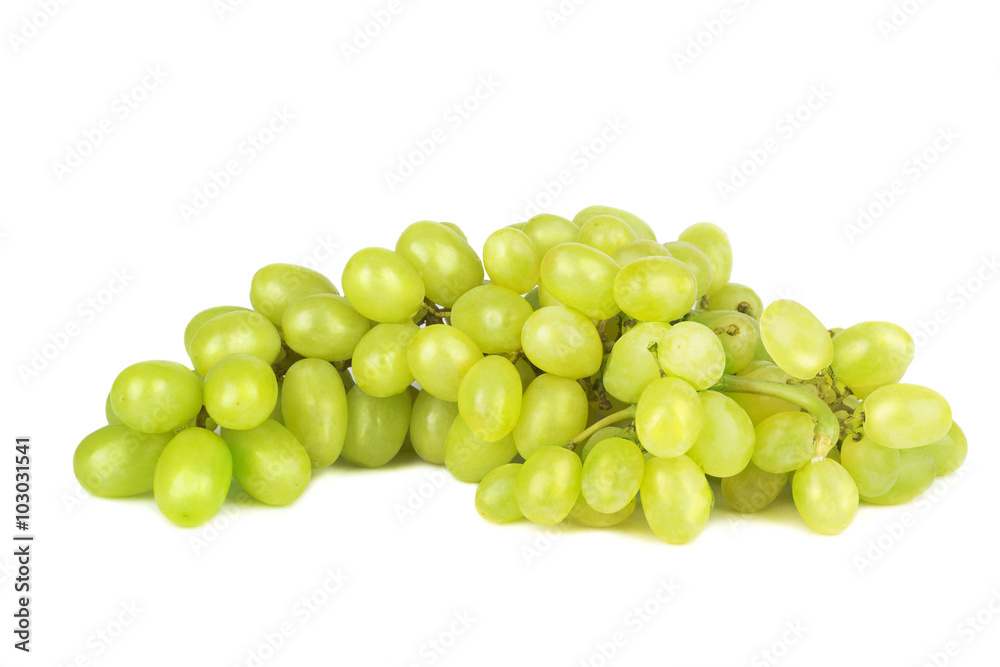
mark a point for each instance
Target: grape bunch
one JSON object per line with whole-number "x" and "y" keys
{"x": 595, "y": 369}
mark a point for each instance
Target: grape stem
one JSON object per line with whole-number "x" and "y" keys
{"x": 620, "y": 416}
{"x": 827, "y": 425}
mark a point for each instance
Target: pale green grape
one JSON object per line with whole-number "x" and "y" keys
{"x": 547, "y": 231}
{"x": 109, "y": 411}
{"x": 737, "y": 333}
{"x": 669, "y": 417}
{"x": 872, "y": 354}
{"x": 598, "y": 436}
{"x": 733, "y": 296}
{"x": 606, "y": 233}
{"x": 641, "y": 229}
{"x": 469, "y": 458}
{"x": 950, "y": 451}
{"x": 585, "y": 515}
{"x": 873, "y": 467}
{"x": 379, "y": 363}
{"x": 192, "y": 477}
{"x": 917, "y": 471}
{"x": 676, "y": 498}
{"x": 156, "y": 396}
{"x": 314, "y": 409}
{"x": 553, "y": 411}
{"x": 238, "y": 332}
{"x": 269, "y": 463}
{"x": 784, "y": 442}
{"x": 240, "y": 392}
{"x": 757, "y": 406}
{"x": 382, "y": 285}
{"x": 795, "y": 339}
{"x": 631, "y": 366}
{"x": 446, "y": 262}
{"x": 493, "y": 317}
{"x": 489, "y": 398}
{"x": 324, "y": 326}
{"x": 563, "y": 342}
{"x": 495, "y": 499}
{"x": 548, "y": 484}
{"x": 580, "y": 277}
{"x": 439, "y": 357}
{"x": 691, "y": 352}
{"x": 825, "y": 496}
{"x": 201, "y": 318}
{"x": 726, "y": 440}
{"x": 114, "y": 461}
{"x": 714, "y": 242}
{"x": 511, "y": 260}
{"x": 376, "y": 427}
{"x": 429, "y": 424}
{"x": 455, "y": 228}
{"x": 697, "y": 261}
{"x": 612, "y": 474}
{"x": 277, "y": 286}
{"x": 752, "y": 489}
{"x": 655, "y": 289}
{"x": 902, "y": 416}
{"x": 638, "y": 250}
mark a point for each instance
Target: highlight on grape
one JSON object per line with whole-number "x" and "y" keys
{"x": 596, "y": 369}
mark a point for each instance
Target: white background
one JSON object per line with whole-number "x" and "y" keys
{"x": 876, "y": 595}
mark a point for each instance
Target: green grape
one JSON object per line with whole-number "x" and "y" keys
{"x": 872, "y": 354}
{"x": 563, "y": 342}
{"x": 669, "y": 417}
{"x": 511, "y": 260}
{"x": 525, "y": 372}
{"x": 269, "y": 463}
{"x": 314, "y": 409}
{"x": 379, "y": 363}
{"x": 580, "y": 277}
{"x": 495, "y": 499}
{"x": 655, "y": 289}
{"x": 382, "y": 285}
{"x": 606, "y": 233}
{"x": 631, "y": 366}
{"x": 676, "y": 498}
{"x": 489, "y": 398}
{"x": 324, "y": 326}
{"x": 201, "y": 318}
{"x": 737, "y": 333}
{"x": 950, "y": 451}
{"x": 430, "y": 421}
{"x": 733, "y": 296}
{"x": 447, "y": 263}
{"x": 873, "y": 468}
{"x": 784, "y": 442}
{"x": 114, "y": 461}
{"x": 752, "y": 489}
{"x": 455, "y": 228}
{"x": 795, "y": 339}
{"x": 638, "y": 250}
{"x": 553, "y": 411}
{"x": 612, "y": 474}
{"x": 468, "y": 458}
{"x": 757, "y": 406}
{"x": 277, "y": 286}
{"x": 493, "y": 316}
{"x": 714, "y": 242}
{"x": 240, "y": 392}
{"x": 439, "y": 357}
{"x": 641, "y": 229}
{"x": 691, "y": 352}
{"x": 192, "y": 477}
{"x": 548, "y": 484}
{"x": 903, "y": 416}
{"x": 696, "y": 260}
{"x": 917, "y": 471}
{"x": 546, "y": 231}
{"x": 585, "y": 515}
{"x": 600, "y": 435}
{"x": 726, "y": 440}
{"x": 825, "y": 496}
{"x": 376, "y": 427}
{"x": 109, "y": 411}
{"x": 239, "y": 332}
{"x": 156, "y": 396}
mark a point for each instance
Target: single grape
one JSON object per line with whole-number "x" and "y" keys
{"x": 548, "y": 484}
{"x": 204, "y": 316}
{"x": 114, "y": 461}
{"x": 430, "y": 421}
{"x": 693, "y": 353}
{"x": 872, "y": 354}
{"x": 752, "y": 489}
{"x": 580, "y": 277}
{"x": 825, "y": 496}
{"x": 638, "y": 250}
{"x": 631, "y": 365}
{"x": 669, "y": 417}
{"x": 511, "y": 260}
{"x": 784, "y": 442}
{"x": 563, "y": 342}
{"x": 379, "y": 363}
{"x": 734, "y": 296}
{"x": 446, "y": 262}
{"x": 676, "y": 498}
{"x": 269, "y": 463}
{"x": 495, "y": 499}
{"x": 382, "y": 285}
{"x": 238, "y": 332}
{"x": 917, "y": 471}
{"x": 795, "y": 339}
{"x": 469, "y": 458}
{"x": 697, "y": 261}
{"x": 873, "y": 468}
{"x": 902, "y": 416}
{"x": 546, "y": 231}
{"x": 737, "y": 333}
{"x": 314, "y": 409}
{"x": 489, "y": 398}
{"x": 726, "y": 440}
{"x": 585, "y": 515}
{"x": 598, "y": 436}
{"x": 553, "y": 411}
{"x": 714, "y": 242}
{"x": 156, "y": 396}
{"x": 376, "y": 427}
{"x": 607, "y": 233}
{"x": 240, "y": 392}
{"x": 757, "y": 406}
{"x": 655, "y": 289}
{"x": 277, "y": 286}
{"x": 324, "y": 326}
{"x": 612, "y": 474}
{"x": 641, "y": 229}
{"x": 192, "y": 477}
{"x": 950, "y": 451}
{"x": 493, "y": 317}
{"x": 439, "y": 357}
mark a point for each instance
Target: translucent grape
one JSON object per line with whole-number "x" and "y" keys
{"x": 192, "y": 477}
{"x": 599, "y": 436}
{"x": 795, "y": 339}
{"x": 638, "y": 250}
{"x": 240, "y": 392}
{"x": 676, "y": 498}
{"x": 324, "y": 326}
{"x": 641, "y": 229}
{"x": 548, "y": 484}
{"x": 314, "y": 409}
{"x": 873, "y": 468}
{"x": 950, "y": 451}
{"x": 655, "y": 289}
{"x": 156, "y": 396}
{"x": 469, "y": 458}
{"x": 726, "y": 440}
{"x": 439, "y": 357}
{"x": 511, "y": 260}
{"x": 737, "y": 333}
{"x": 429, "y": 424}
{"x": 631, "y": 366}
{"x": 269, "y": 463}
{"x": 905, "y": 415}
{"x": 238, "y": 332}
{"x": 825, "y": 496}
{"x": 585, "y": 515}
{"x": 563, "y": 342}
{"x": 547, "y": 231}
{"x": 752, "y": 489}
{"x": 691, "y": 352}
{"x": 917, "y": 471}
{"x": 379, "y": 363}
{"x": 489, "y": 398}
{"x": 669, "y": 417}
{"x": 714, "y": 242}
{"x": 376, "y": 427}
{"x": 114, "y": 461}
{"x": 784, "y": 442}
{"x": 607, "y": 233}
{"x": 696, "y": 260}
{"x": 553, "y": 411}
{"x": 382, "y": 285}
{"x": 446, "y": 262}
{"x": 581, "y": 277}
{"x": 493, "y": 317}
{"x": 612, "y": 474}
{"x": 204, "y": 316}
{"x": 277, "y": 286}
{"x": 757, "y": 406}
{"x": 733, "y": 296}
{"x": 495, "y": 499}
{"x": 872, "y": 354}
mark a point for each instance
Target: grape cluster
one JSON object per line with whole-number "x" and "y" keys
{"x": 597, "y": 367}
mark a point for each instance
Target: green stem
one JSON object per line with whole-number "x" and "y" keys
{"x": 620, "y": 416}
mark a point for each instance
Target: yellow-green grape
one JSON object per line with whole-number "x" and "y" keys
{"x": 737, "y": 333}
{"x": 795, "y": 339}
{"x": 641, "y": 229}
{"x": 495, "y": 499}
{"x": 598, "y": 436}
{"x": 493, "y": 316}
{"x": 455, "y": 228}
{"x": 734, "y": 296}
{"x": 693, "y": 353}
{"x": 655, "y": 289}
{"x": 240, "y": 392}
{"x": 580, "y": 277}
{"x": 109, "y": 411}
{"x": 825, "y": 496}
{"x": 156, "y": 396}
{"x": 489, "y": 398}
{"x": 114, "y": 461}
{"x": 902, "y": 416}
{"x": 676, "y": 498}
{"x": 547, "y": 231}
{"x": 430, "y": 422}
{"x": 872, "y": 354}
{"x": 324, "y": 326}
{"x": 726, "y": 440}
{"x": 585, "y": 515}
{"x": 637, "y": 250}
{"x": 379, "y": 363}
{"x": 446, "y": 262}
{"x": 696, "y": 260}
{"x": 563, "y": 342}
{"x": 192, "y": 477}
{"x": 469, "y": 458}
{"x": 950, "y": 451}
{"x": 439, "y": 357}
{"x": 269, "y": 463}
{"x": 511, "y": 260}
{"x": 752, "y": 489}
{"x": 376, "y": 427}
{"x": 873, "y": 468}
{"x": 238, "y": 332}
{"x": 757, "y": 406}
{"x": 631, "y": 366}
{"x": 382, "y": 285}
{"x": 612, "y": 474}
{"x": 784, "y": 442}
{"x": 277, "y": 286}
{"x": 314, "y": 409}
{"x": 525, "y": 372}
{"x": 606, "y": 233}
{"x": 553, "y": 411}
{"x": 714, "y": 242}
{"x": 204, "y": 316}
{"x": 669, "y": 417}
{"x": 548, "y": 485}
{"x": 917, "y": 471}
